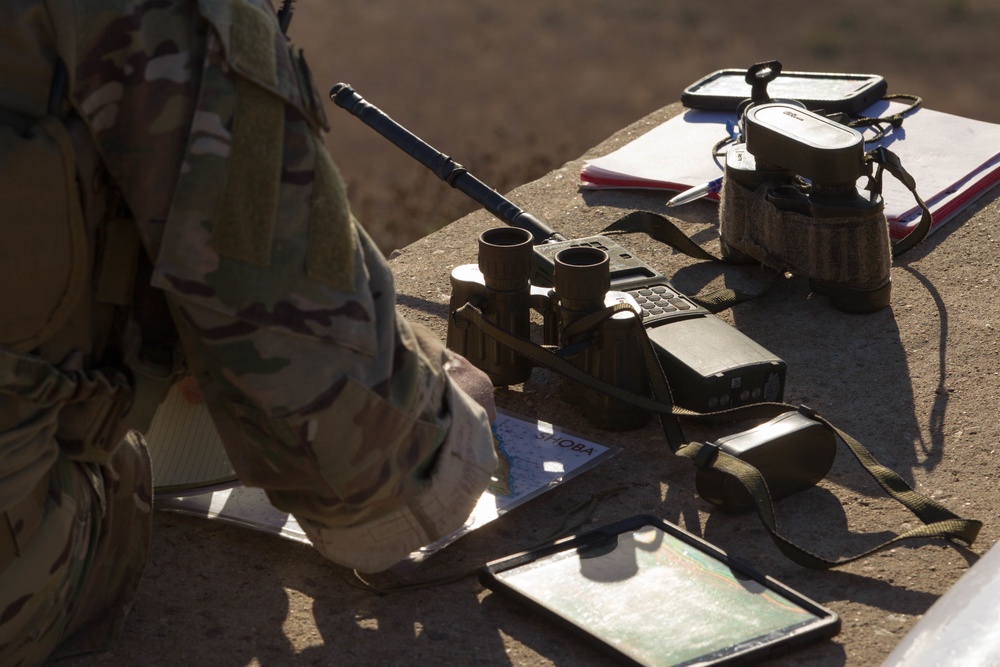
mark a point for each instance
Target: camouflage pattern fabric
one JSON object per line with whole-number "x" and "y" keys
{"x": 208, "y": 124}
{"x": 73, "y": 585}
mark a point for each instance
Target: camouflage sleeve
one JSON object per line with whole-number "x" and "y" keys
{"x": 208, "y": 122}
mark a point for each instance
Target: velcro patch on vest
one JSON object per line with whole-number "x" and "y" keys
{"x": 244, "y": 224}
{"x": 330, "y": 257}
{"x": 252, "y": 42}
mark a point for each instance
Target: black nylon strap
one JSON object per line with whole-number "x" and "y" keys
{"x": 889, "y": 161}
{"x": 662, "y": 229}
{"x": 938, "y": 520}
{"x": 540, "y": 356}
{"x": 893, "y": 121}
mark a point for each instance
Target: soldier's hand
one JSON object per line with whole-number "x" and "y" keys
{"x": 190, "y": 390}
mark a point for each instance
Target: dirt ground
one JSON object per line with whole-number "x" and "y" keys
{"x": 515, "y": 91}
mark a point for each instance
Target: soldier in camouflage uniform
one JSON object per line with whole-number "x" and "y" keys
{"x": 176, "y": 161}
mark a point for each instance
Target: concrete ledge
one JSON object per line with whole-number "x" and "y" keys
{"x": 917, "y": 383}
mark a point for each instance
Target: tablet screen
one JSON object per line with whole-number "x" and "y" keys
{"x": 659, "y": 600}
{"x": 788, "y": 87}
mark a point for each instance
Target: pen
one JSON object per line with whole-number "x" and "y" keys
{"x": 696, "y": 192}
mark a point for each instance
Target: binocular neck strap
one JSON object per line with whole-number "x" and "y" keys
{"x": 661, "y": 404}
{"x": 938, "y": 520}
{"x": 882, "y": 124}
{"x": 660, "y": 228}
{"x": 884, "y": 159}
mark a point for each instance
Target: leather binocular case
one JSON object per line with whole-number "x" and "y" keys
{"x": 790, "y": 200}
{"x": 792, "y": 452}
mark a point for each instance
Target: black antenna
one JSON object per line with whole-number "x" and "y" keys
{"x": 443, "y": 166}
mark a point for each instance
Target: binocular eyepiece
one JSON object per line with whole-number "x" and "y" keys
{"x": 500, "y": 287}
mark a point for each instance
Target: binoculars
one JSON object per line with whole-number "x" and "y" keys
{"x": 500, "y": 287}
{"x": 790, "y": 201}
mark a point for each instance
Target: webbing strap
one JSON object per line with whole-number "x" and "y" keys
{"x": 893, "y": 121}
{"x": 889, "y": 161}
{"x": 661, "y": 229}
{"x": 938, "y": 520}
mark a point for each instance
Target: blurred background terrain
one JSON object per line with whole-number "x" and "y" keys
{"x": 512, "y": 90}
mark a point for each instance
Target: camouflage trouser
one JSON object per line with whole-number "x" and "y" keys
{"x": 70, "y": 590}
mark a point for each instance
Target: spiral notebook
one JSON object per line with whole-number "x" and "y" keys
{"x": 185, "y": 448}
{"x": 191, "y": 474}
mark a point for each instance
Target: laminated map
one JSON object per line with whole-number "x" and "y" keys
{"x": 534, "y": 457}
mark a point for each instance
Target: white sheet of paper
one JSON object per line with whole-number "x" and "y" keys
{"x": 535, "y": 456}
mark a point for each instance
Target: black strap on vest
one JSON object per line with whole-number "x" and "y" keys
{"x": 285, "y": 15}
{"x": 938, "y": 520}
{"x": 57, "y": 89}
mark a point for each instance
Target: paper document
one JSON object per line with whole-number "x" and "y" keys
{"x": 185, "y": 448}
{"x": 534, "y": 457}
{"x": 952, "y": 159}
{"x": 238, "y": 505}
